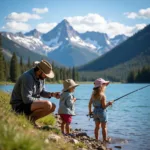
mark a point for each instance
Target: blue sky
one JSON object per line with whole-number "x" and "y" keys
{"x": 110, "y": 16}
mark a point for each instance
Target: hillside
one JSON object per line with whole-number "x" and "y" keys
{"x": 119, "y": 72}
{"x": 135, "y": 47}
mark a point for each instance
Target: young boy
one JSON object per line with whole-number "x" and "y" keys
{"x": 66, "y": 105}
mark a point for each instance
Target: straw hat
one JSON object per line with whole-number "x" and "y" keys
{"x": 46, "y": 68}
{"x": 98, "y": 82}
{"x": 69, "y": 83}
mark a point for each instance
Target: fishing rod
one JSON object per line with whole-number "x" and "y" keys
{"x": 123, "y": 95}
{"x": 130, "y": 93}
{"x": 91, "y": 115}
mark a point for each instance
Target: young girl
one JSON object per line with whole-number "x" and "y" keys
{"x": 98, "y": 100}
{"x": 66, "y": 105}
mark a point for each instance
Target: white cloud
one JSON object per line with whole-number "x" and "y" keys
{"x": 21, "y": 17}
{"x": 40, "y": 10}
{"x": 45, "y": 27}
{"x": 14, "y": 26}
{"x": 95, "y": 22}
{"x": 142, "y": 13}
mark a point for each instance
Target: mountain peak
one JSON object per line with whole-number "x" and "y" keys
{"x": 65, "y": 21}
{"x": 62, "y": 32}
{"x": 35, "y": 33}
{"x": 20, "y": 34}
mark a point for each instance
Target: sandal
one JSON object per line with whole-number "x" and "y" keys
{"x": 37, "y": 126}
{"x": 108, "y": 140}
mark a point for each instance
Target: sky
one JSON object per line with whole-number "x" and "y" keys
{"x": 108, "y": 16}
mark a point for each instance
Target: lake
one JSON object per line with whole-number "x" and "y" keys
{"x": 128, "y": 118}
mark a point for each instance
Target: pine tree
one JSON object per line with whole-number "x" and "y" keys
{"x": 74, "y": 74}
{"x": 29, "y": 63}
{"x": 21, "y": 61}
{"x": 14, "y": 69}
{"x": 131, "y": 77}
{"x": 7, "y": 71}
{"x": 2, "y": 62}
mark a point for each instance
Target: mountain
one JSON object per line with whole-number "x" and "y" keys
{"x": 34, "y": 33}
{"x": 69, "y": 48}
{"x": 66, "y": 45}
{"x": 10, "y": 46}
{"x": 30, "y": 42}
{"x": 101, "y": 41}
{"x": 125, "y": 56}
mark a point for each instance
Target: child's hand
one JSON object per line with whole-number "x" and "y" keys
{"x": 110, "y": 103}
{"x": 74, "y": 99}
{"x": 56, "y": 95}
{"x": 90, "y": 113}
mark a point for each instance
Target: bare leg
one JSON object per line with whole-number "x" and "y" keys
{"x": 96, "y": 131}
{"x": 67, "y": 128}
{"x": 63, "y": 127}
{"x": 104, "y": 131}
{"x": 40, "y": 109}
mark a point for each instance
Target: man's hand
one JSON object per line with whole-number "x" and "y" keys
{"x": 56, "y": 95}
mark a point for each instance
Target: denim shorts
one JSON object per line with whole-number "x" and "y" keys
{"x": 99, "y": 115}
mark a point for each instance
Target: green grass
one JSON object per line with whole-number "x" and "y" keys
{"x": 80, "y": 145}
{"x": 48, "y": 120}
{"x": 6, "y": 83}
{"x": 16, "y": 132}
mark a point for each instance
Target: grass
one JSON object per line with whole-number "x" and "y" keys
{"x": 16, "y": 132}
{"x": 80, "y": 145}
{"x": 48, "y": 120}
{"x": 6, "y": 83}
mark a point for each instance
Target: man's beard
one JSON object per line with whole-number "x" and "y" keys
{"x": 40, "y": 77}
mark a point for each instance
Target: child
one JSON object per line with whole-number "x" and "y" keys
{"x": 98, "y": 100}
{"x": 66, "y": 105}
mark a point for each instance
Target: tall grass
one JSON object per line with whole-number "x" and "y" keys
{"x": 16, "y": 132}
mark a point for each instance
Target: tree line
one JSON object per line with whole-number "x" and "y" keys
{"x": 139, "y": 76}
{"x": 11, "y": 70}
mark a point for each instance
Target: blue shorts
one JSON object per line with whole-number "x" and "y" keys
{"x": 99, "y": 115}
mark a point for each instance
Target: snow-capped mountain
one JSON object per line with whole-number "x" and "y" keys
{"x": 118, "y": 39}
{"x": 66, "y": 45}
{"x": 63, "y": 33}
{"x": 30, "y": 42}
{"x": 101, "y": 41}
{"x": 34, "y": 33}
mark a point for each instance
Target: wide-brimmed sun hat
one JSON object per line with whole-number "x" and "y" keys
{"x": 46, "y": 68}
{"x": 98, "y": 82}
{"x": 69, "y": 83}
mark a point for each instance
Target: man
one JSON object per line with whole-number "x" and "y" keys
{"x": 25, "y": 98}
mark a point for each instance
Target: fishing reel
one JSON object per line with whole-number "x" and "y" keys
{"x": 90, "y": 115}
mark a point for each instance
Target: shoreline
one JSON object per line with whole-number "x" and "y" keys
{"x": 47, "y": 138}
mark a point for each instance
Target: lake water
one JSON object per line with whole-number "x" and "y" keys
{"x": 128, "y": 118}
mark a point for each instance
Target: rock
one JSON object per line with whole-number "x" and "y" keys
{"x": 82, "y": 134}
{"x": 118, "y": 147}
{"x": 101, "y": 148}
{"x": 54, "y": 137}
{"x": 77, "y": 129}
{"x": 46, "y": 141}
{"x": 74, "y": 141}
